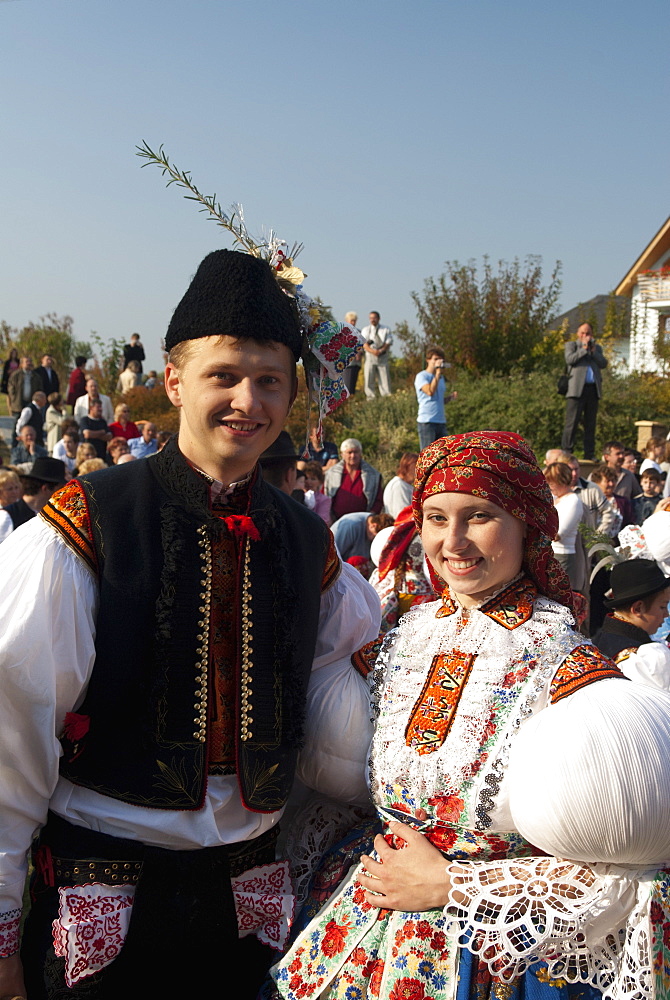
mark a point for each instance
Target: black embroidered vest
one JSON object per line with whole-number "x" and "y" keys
{"x": 147, "y": 699}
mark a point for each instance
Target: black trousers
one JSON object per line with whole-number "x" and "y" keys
{"x": 182, "y": 936}
{"x": 576, "y": 408}
{"x": 350, "y": 377}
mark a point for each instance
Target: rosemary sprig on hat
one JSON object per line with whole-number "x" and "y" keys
{"x": 270, "y": 248}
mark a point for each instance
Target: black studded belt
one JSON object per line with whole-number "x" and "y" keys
{"x": 66, "y": 854}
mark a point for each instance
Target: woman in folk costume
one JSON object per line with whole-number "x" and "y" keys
{"x": 520, "y": 780}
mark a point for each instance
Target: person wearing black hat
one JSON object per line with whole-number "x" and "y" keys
{"x": 45, "y": 477}
{"x": 200, "y": 599}
{"x": 278, "y": 464}
{"x": 639, "y": 602}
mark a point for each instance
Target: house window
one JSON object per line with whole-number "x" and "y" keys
{"x": 664, "y": 326}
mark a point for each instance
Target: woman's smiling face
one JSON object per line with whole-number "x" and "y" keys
{"x": 475, "y": 546}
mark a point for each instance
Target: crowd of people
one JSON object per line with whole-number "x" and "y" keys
{"x": 263, "y": 711}
{"x": 621, "y": 492}
{"x": 56, "y": 437}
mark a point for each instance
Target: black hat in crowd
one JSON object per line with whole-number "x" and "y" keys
{"x": 47, "y": 470}
{"x": 236, "y": 295}
{"x": 283, "y": 447}
{"x": 634, "y": 579}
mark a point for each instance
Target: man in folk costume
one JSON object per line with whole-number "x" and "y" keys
{"x": 188, "y": 605}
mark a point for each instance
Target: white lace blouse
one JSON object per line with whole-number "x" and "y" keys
{"x": 452, "y": 690}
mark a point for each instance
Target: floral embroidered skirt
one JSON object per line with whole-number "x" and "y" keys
{"x": 351, "y": 950}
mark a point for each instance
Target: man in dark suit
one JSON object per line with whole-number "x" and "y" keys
{"x": 21, "y": 385}
{"x": 133, "y": 351}
{"x": 48, "y": 374}
{"x": 33, "y": 416}
{"x": 585, "y": 361}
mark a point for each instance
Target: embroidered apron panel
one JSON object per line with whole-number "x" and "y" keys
{"x": 433, "y": 713}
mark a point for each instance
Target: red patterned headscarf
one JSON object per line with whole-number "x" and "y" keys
{"x": 399, "y": 540}
{"x": 500, "y": 467}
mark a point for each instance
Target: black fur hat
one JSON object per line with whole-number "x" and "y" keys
{"x": 236, "y": 295}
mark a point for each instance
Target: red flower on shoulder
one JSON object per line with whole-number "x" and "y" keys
{"x": 76, "y": 726}
{"x": 75, "y": 730}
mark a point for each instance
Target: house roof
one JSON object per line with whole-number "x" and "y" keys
{"x": 658, "y": 246}
{"x": 593, "y": 311}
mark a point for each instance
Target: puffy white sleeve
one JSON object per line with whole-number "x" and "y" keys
{"x": 649, "y": 664}
{"x": 338, "y": 728}
{"x": 47, "y": 606}
{"x": 588, "y": 781}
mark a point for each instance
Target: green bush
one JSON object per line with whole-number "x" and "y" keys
{"x": 152, "y": 405}
{"x": 524, "y": 402}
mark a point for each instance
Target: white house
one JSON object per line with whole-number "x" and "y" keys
{"x": 647, "y": 284}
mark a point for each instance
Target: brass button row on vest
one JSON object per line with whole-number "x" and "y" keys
{"x": 247, "y": 648}
{"x": 200, "y": 720}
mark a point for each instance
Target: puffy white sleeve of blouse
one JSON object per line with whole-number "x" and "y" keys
{"x": 587, "y": 783}
{"x": 649, "y": 664}
{"x": 338, "y": 727}
{"x": 48, "y": 601}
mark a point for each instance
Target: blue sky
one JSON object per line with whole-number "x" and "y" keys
{"x": 387, "y": 137}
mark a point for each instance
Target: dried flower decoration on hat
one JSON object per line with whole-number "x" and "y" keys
{"x": 329, "y": 347}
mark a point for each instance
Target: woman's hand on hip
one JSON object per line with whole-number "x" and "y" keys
{"x": 409, "y": 878}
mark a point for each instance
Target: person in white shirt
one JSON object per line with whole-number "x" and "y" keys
{"x": 149, "y": 728}
{"x": 82, "y": 404}
{"x": 570, "y": 511}
{"x": 376, "y": 343}
{"x": 398, "y": 491}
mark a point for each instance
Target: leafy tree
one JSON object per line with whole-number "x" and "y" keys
{"x": 108, "y": 360}
{"x": 485, "y": 321}
{"x": 52, "y": 335}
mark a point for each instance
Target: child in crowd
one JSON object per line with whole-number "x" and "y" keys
{"x": 639, "y": 601}
{"x": 654, "y": 454}
{"x": 605, "y": 477}
{"x": 646, "y": 502}
{"x": 315, "y": 498}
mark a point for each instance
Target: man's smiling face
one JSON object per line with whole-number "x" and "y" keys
{"x": 234, "y": 397}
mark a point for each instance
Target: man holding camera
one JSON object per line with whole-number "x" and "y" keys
{"x": 377, "y": 341}
{"x": 430, "y": 389}
{"x": 584, "y": 359}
